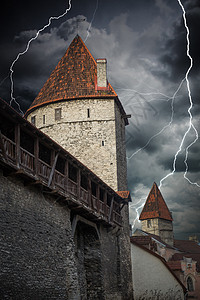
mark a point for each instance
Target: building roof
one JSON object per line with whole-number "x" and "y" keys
{"x": 194, "y": 256}
{"x": 174, "y": 265}
{"x": 75, "y": 77}
{"x": 187, "y": 246}
{"x": 142, "y": 237}
{"x": 155, "y": 206}
{"x": 125, "y": 194}
{"x": 188, "y": 249}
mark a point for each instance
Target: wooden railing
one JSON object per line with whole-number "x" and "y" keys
{"x": 72, "y": 187}
{"x": 95, "y": 203}
{"x": 9, "y": 147}
{"x": 59, "y": 179}
{"x": 26, "y": 159}
{"x": 34, "y": 166}
{"x": 84, "y": 196}
{"x": 44, "y": 169}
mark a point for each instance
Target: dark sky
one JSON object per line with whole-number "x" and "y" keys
{"x": 146, "y": 48}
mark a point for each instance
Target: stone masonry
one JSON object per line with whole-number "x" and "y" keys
{"x": 96, "y": 138}
{"x": 37, "y": 248}
{"x": 160, "y": 227}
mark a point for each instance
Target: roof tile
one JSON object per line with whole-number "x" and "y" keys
{"x": 74, "y": 77}
{"x": 155, "y": 206}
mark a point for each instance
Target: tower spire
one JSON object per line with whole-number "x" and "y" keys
{"x": 156, "y": 217}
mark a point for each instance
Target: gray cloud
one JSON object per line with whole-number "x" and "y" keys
{"x": 146, "y": 54}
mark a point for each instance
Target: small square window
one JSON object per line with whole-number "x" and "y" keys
{"x": 33, "y": 119}
{"x": 44, "y": 119}
{"x": 57, "y": 114}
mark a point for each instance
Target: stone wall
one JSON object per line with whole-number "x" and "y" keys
{"x": 120, "y": 150}
{"x": 93, "y": 131}
{"x": 37, "y": 248}
{"x": 160, "y": 227}
{"x": 41, "y": 259}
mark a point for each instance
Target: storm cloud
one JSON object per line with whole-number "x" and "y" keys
{"x": 146, "y": 49}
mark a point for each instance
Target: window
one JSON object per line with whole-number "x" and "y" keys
{"x": 109, "y": 199}
{"x": 149, "y": 223}
{"x": 33, "y": 119}
{"x": 26, "y": 141}
{"x": 57, "y": 114}
{"x": 101, "y": 194}
{"x": 72, "y": 173}
{"x": 88, "y": 113}
{"x": 44, "y": 119}
{"x": 60, "y": 165}
{"x": 190, "y": 285}
{"x": 44, "y": 153}
{"x": 94, "y": 188}
{"x": 84, "y": 182}
{"x": 102, "y": 143}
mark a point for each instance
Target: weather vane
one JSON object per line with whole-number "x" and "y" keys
{"x": 78, "y": 21}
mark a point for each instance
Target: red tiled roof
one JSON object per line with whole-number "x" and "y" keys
{"x": 73, "y": 78}
{"x": 125, "y": 194}
{"x": 189, "y": 249}
{"x": 155, "y": 206}
{"x": 142, "y": 240}
{"x": 153, "y": 237}
{"x": 187, "y": 246}
{"x": 174, "y": 265}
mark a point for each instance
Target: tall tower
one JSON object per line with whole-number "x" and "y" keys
{"x": 156, "y": 217}
{"x": 79, "y": 109}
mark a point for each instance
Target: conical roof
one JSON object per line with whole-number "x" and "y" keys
{"x": 155, "y": 206}
{"x": 74, "y": 77}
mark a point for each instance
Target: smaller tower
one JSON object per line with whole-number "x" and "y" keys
{"x": 156, "y": 217}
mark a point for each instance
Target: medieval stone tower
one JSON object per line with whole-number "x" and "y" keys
{"x": 79, "y": 109}
{"x": 156, "y": 217}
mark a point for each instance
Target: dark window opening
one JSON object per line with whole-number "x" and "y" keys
{"x": 33, "y": 120}
{"x": 102, "y": 143}
{"x": 109, "y": 199}
{"x": 88, "y": 113}
{"x": 190, "y": 285}
{"x": 44, "y": 154}
{"x": 101, "y": 194}
{"x": 57, "y": 114}
{"x": 149, "y": 224}
{"x": 44, "y": 119}
{"x": 7, "y": 128}
{"x": 84, "y": 182}
{"x": 72, "y": 173}
{"x": 27, "y": 142}
{"x": 60, "y": 165}
{"x": 94, "y": 188}
{"x": 116, "y": 206}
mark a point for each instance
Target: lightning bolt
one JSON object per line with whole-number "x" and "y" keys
{"x": 88, "y": 30}
{"x": 12, "y": 98}
{"x": 137, "y": 211}
{"x": 191, "y": 125}
{"x": 165, "y": 127}
{"x": 186, "y": 157}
